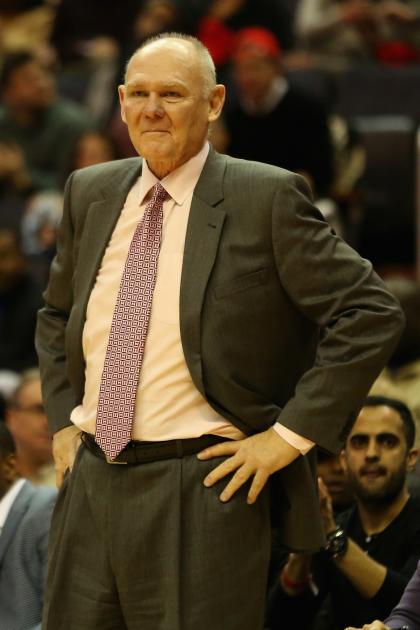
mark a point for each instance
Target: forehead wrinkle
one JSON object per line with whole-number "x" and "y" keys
{"x": 160, "y": 84}
{"x": 182, "y": 54}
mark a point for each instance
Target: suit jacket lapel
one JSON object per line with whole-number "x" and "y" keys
{"x": 204, "y": 230}
{"x": 100, "y": 223}
{"x": 14, "y": 517}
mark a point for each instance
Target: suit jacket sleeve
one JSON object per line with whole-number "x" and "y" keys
{"x": 58, "y": 394}
{"x": 407, "y": 612}
{"x": 359, "y": 320}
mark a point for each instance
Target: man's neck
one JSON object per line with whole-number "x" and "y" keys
{"x": 163, "y": 168}
{"x": 376, "y": 518}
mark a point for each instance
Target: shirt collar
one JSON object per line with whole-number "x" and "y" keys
{"x": 7, "y": 501}
{"x": 178, "y": 184}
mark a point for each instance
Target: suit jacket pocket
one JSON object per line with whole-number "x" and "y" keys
{"x": 242, "y": 283}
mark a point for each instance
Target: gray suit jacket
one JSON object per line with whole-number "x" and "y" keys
{"x": 280, "y": 319}
{"x": 407, "y": 611}
{"x": 23, "y": 558}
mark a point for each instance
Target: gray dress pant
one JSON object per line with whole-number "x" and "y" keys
{"x": 149, "y": 547}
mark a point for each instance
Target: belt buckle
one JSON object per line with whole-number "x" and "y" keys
{"x": 112, "y": 461}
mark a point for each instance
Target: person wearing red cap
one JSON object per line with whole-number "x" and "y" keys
{"x": 274, "y": 122}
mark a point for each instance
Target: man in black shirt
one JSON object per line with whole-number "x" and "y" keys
{"x": 274, "y": 121}
{"x": 373, "y": 548}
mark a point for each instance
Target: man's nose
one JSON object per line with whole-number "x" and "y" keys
{"x": 153, "y": 107}
{"x": 372, "y": 450}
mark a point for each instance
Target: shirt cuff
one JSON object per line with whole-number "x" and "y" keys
{"x": 299, "y": 442}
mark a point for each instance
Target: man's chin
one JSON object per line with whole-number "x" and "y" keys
{"x": 154, "y": 152}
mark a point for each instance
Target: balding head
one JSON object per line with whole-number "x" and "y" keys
{"x": 192, "y": 47}
{"x": 169, "y": 99}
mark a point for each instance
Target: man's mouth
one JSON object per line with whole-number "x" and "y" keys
{"x": 335, "y": 486}
{"x": 372, "y": 473}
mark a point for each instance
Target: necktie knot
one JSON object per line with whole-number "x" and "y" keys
{"x": 159, "y": 194}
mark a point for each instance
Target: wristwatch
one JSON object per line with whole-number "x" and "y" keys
{"x": 337, "y": 543}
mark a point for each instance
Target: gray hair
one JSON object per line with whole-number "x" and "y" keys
{"x": 204, "y": 56}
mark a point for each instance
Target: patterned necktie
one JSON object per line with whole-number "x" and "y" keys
{"x": 127, "y": 339}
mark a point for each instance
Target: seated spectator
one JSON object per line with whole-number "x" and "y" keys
{"x": 27, "y": 422}
{"x": 20, "y": 299}
{"x": 331, "y": 471}
{"x": 373, "y": 548}
{"x": 273, "y": 121}
{"x": 340, "y": 34}
{"x": 41, "y": 129}
{"x": 25, "y": 513}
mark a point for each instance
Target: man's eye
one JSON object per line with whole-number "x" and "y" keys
{"x": 388, "y": 441}
{"x": 358, "y": 441}
{"x": 170, "y": 94}
{"x": 140, "y": 93}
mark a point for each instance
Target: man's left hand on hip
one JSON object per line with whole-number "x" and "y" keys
{"x": 257, "y": 456}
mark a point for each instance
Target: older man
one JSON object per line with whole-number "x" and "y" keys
{"x": 263, "y": 334}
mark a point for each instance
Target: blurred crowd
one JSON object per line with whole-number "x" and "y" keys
{"x": 286, "y": 64}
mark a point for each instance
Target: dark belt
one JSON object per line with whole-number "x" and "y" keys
{"x": 137, "y": 452}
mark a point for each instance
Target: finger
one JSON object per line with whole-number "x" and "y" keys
{"x": 71, "y": 458}
{"x": 322, "y": 488}
{"x": 239, "y": 478}
{"x": 218, "y": 450}
{"x": 226, "y": 467}
{"x": 258, "y": 483}
{"x": 59, "y": 474}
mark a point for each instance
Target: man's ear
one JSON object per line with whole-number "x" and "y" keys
{"x": 8, "y": 468}
{"x": 121, "y": 96}
{"x": 412, "y": 456}
{"x": 216, "y": 102}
